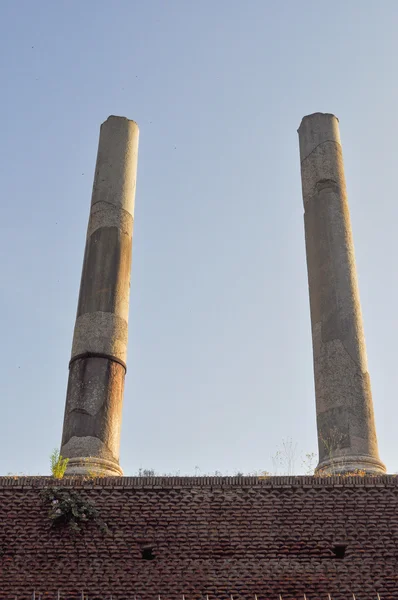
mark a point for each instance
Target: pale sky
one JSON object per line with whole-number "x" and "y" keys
{"x": 220, "y": 356}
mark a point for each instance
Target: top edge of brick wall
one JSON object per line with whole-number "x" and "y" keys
{"x": 302, "y": 481}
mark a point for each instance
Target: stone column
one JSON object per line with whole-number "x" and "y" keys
{"x": 91, "y": 432}
{"x": 346, "y": 426}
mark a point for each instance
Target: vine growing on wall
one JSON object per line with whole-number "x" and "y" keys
{"x": 67, "y": 508}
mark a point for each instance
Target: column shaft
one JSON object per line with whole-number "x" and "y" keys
{"x": 345, "y": 420}
{"x": 91, "y": 433}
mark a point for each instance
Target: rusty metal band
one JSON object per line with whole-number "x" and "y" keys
{"x": 98, "y": 355}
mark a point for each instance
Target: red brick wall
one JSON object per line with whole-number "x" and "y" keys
{"x": 215, "y": 536}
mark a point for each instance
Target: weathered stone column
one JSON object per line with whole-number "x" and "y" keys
{"x": 346, "y": 427}
{"x": 91, "y": 433}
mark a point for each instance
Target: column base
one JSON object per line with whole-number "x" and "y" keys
{"x": 342, "y": 465}
{"x": 91, "y": 466}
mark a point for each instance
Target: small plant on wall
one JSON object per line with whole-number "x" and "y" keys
{"x": 58, "y": 464}
{"x": 66, "y": 508}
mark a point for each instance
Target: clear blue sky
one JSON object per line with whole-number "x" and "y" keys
{"x": 220, "y": 357}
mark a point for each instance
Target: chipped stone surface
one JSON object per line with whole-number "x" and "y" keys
{"x": 101, "y": 332}
{"x": 104, "y": 214}
{"x": 96, "y": 378}
{"x": 346, "y": 427}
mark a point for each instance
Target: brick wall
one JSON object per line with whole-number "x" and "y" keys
{"x": 215, "y": 536}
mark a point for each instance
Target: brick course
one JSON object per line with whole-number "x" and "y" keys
{"x": 209, "y": 535}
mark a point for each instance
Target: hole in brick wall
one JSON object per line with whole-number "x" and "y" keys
{"x": 147, "y": 553}
{"x": 339, "y": 550}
